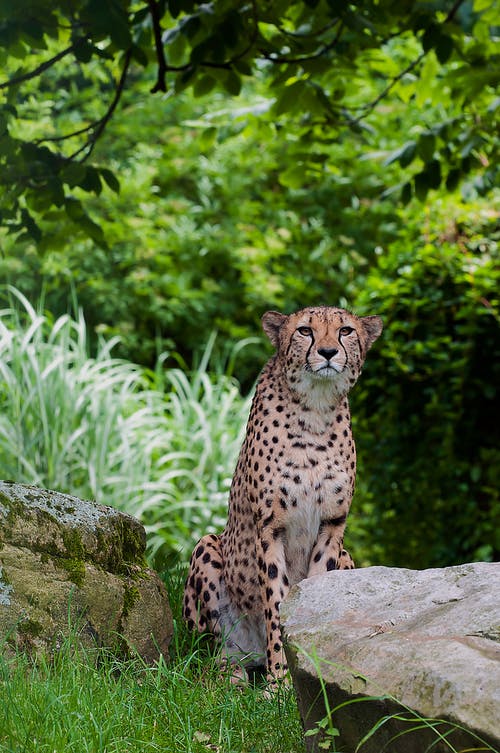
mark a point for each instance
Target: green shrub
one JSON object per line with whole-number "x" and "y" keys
{"x": 426, "y": 409}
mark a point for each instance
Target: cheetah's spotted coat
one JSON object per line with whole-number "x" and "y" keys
{"x": 292, "y": 487}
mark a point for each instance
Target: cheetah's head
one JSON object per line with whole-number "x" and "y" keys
{"x": 323, "y": 346}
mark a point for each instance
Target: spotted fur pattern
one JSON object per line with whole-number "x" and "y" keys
{"x": 292, "y": 488}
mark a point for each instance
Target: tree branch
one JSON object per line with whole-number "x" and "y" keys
{"x": 38, "y": 71}
{"x": 372, "y": 105}
{"x": 164, "y": 67}
{"x": 313, "y": 56}
{"x": 99, "y": 125}
{"x": 160, "y": 85}
{"x": 452, "y": 13}
{"x": 366, "y": 109}
{"x": 66, "y": 136}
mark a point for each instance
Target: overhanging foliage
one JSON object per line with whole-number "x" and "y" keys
{"x": 327, "y": 66}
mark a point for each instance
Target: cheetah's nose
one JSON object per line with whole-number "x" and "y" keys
{"x": 328, "y": 352}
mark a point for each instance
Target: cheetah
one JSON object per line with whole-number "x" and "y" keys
{"x": 292, "y": 488}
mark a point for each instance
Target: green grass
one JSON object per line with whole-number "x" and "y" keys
{"x": 74, "y": 706}
{"x": 90, "y": 702}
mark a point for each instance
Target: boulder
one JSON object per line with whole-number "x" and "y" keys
{"x": 386, "y": 641}
{"x": 68, "y": 564}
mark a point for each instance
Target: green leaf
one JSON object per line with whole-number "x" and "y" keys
{"x": 429, "y": 178}
{"x": 404, "y": 155}
{"x": 73, "y": 173}
{"x": 139, "y": 55}
{"x": 293, "y": 177}
{"x": 175, "y": 7}
{"x": 244, "y": 67}
{"x": 55, "y": 191}
{"x": 289, "y": 97}
{"x": 232, "y": 83}
{"x": 207, "y": 137}
{"x": 92, "y": 181}
{"x": 190, "y": 26}
{"x": 444, "y": 48}
{"x": 92, "y": 229}
{"x": 431, "y": 37}
{"x": 176, "y": 49}
{"x": 83, "y": 50}
{"x": 108, "y": 19}
{"x": 406, "y": 193}
{"x": 74, "y": 208}
{"x": 110, "y": 179}
{"x": 203, "y": 85}
{"x": 408, "y": 154}
{"x": 453, "y": 179}
{"x": 421, "y": 186}
{"x": 31, "y": 226}
{"x": 426, "y": 146}
{"x": 433, "y": 172}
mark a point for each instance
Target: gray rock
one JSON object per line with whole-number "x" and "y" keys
{"x": 68, "y": 563}
{"x": 428, "y": 640}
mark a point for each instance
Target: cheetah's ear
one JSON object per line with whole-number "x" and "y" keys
{"x": 372, "y": 326}
{"x": 271, "y": 324}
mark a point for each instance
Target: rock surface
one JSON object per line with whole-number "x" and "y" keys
{"x": 65, "y": 562}
{"x": 430, "y": 639}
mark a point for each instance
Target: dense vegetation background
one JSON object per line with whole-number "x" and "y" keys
{"x": 292, "y": 153}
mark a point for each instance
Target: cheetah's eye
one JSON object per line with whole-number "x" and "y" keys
{"x": 346, "y": 331}
{"x": 306, "y": 331}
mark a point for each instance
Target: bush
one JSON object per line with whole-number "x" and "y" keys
{"x": 426, "y": 410}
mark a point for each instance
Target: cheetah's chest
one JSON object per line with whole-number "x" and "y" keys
{"x": 316, "y": 465}
{"x": 314, "y": 484}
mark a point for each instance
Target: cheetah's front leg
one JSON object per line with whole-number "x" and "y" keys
{"x": 328, "y": 552}
{"x": 274, "y": 586}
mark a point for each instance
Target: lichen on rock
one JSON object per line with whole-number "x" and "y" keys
{"x": 69, "y": 564}
{"x": 5, "y": 590}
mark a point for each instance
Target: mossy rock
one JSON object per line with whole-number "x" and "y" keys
{"x": 70, "y": 564}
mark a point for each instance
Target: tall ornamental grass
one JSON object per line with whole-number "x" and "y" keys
{"x": 160, "y": 445}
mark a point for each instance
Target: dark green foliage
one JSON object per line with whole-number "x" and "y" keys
{"x": 204, "y": 236}
{"x": 329, "y": 69}
{"x": 426, "y": 410}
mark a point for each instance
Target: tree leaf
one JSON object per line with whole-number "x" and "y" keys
{"x": 453, "y": 179}
{"x": 408, "y": 154}
{"x": 83, "y": 50}
{"x": 203, "y": 85}
{"x": 426, "y": 145}
{"x": 110, "y": 179}
{"x": 92, "y": 181}
{"x": 139, "y": 55}
{"x": 232, "y": 83}
{"x": 404, "y": 155}
{"x": 31, "y": 226}
{"x": 293, "y": 177}
{"x": 444, "y": 48}
{"x": 406, "y": 193}
{"x": 73, "y": 173}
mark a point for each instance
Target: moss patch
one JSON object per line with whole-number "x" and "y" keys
{"x": 73, "y": 543}
{"x": 30, "y": 628}
{"x": 74, "y": 567}
{"x": 130, "y": 597}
